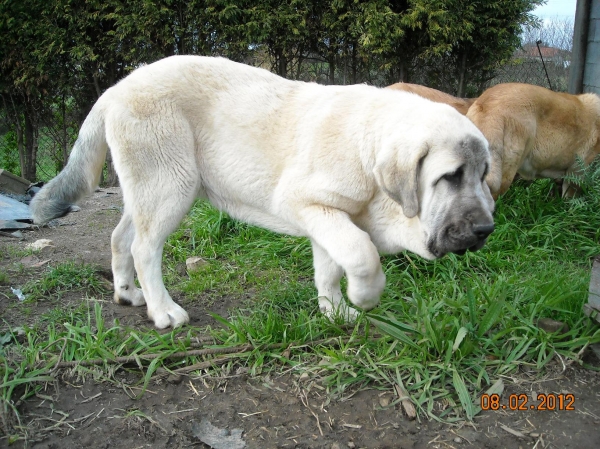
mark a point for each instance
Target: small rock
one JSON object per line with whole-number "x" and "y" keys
{"x": 194, "y": 263}
{"x": 19, "y": 334}
{"x": 324, "y": 361}
{"x": 29, "y": 260}
{"x": 181, "y": 269}
{"x": 17, "y": 234}
{"x": 335, "y": 446}
{"x": 304, "y": 376}
{"x": 175, "y": 379}
{"x": 218, "y": 438}
{"x": 351, "y": 445}
{"x": 534, "y": 435}
{"x": 551, "y": 326}
{"x": 384, "y": 402}
{"x": 458, "y": 440}
{"x": 40, "y": 244}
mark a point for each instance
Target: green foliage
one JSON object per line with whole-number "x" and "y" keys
{"x": 9, "y": 154}
{"x": 587, "y": 180}
{"x": 467, "y": 39}
{"x": 63, "y": 52}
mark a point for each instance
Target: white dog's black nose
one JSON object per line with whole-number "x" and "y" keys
{"x": 483, "y": 230}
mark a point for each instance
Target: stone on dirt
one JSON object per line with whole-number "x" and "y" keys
{"x": 194, "y": 263}
{"x": 40, "y": 244}
{"x": 551, "y": 326}
{"x": 218, "y": 438}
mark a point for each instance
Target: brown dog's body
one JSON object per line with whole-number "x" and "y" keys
{"x": 535, "y": 132}
{"x": 460, "y": 104}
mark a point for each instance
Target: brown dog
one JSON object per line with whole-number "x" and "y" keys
{"x": 460, "y": 104}
{"x": 535, "y": 132}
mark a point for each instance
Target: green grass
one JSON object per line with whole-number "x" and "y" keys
{"x": 62, "y": 278}
{"x": 13, "y": 251}
{"x": 446, "y": 330}
{"x": 240, "y": 257}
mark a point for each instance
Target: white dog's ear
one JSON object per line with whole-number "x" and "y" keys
{"x": 398, "y": 176}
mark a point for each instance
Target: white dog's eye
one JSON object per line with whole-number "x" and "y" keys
{"x": 454, "y": 177}
{"x": 485, "y": 172}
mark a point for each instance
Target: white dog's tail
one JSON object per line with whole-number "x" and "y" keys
{"x": 81, "y": 175}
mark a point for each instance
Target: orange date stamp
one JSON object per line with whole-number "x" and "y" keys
{"x": 544, "y": 401}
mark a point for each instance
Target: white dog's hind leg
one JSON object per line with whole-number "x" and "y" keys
{"x": 327, "y": 280}
{"x": 350, "y": 248}
{"x": 126, "y": 293}
{"x": 156, "y": 163}
{"x": 152, "y": 227}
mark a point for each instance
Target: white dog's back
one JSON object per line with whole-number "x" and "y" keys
{"x": 253, "y": 133}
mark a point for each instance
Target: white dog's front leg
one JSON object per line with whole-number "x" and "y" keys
{"x": 327, "y": 280}
{"x": 347, "y": 247}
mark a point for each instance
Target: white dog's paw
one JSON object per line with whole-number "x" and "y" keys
{"x": 339, "y": 310}
{"x": 129, "y": 297}
{"x": 171, "y": 316}
{"x": 365, "y": 293}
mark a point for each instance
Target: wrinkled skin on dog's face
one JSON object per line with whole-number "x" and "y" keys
{"x": 455, "y": 201}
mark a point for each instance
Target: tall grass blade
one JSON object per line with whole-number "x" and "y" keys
{"x": 463, "y": 395}
{"x": 460, "y": 336}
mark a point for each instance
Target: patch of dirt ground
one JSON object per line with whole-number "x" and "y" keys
{"x": 271, "y": 411}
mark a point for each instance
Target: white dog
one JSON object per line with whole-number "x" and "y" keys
{"x": 355, "y": 169}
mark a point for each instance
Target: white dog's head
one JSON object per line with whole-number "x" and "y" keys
{"x": 437, "y": 174}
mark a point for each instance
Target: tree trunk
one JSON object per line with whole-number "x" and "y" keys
{"x": 331, "y": 68}
{"x": 460, "y": 91}
{"x": 345, "y": 73}
{"x": 402, "y": 73}
{"x": 299, "y": 67}
{"x": 354, "y": 64}
{"x": 65, "y": 134}
{"x": 97, "y": 85}
{"x": 20, "y": 146}
{"x": 282, "y": 66}
{"x": 31, "y": 146}
{"x": 111, "y": 180}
